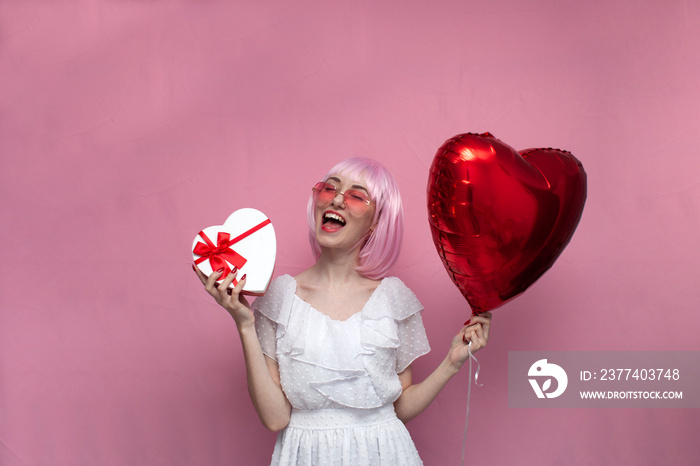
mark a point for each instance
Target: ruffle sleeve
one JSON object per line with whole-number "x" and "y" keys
{"x": 272, "y": 313}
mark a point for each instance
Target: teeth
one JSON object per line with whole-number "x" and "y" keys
{"x": 330, "y": 215}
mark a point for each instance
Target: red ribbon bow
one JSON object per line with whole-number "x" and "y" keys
{"x": 220, "y": 255}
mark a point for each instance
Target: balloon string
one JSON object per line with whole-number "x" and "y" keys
{"x": 469, "y": 393}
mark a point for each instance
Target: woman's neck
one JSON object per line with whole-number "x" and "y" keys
{"x": 337, "y": 266}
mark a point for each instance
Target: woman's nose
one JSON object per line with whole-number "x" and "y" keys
{"x": 340, "y": 195}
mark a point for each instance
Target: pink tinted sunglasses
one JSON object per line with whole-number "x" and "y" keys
{"x": 356, "y": 201}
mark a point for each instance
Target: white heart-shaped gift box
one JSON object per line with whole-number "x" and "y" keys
{"x": 247, "y": 241}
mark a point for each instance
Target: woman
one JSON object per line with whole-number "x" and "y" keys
{"x": 328, "y": 353}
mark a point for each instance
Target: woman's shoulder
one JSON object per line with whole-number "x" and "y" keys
{"x": 275, "y": 298}
{"x": 283, "y": 283}
{"x": 304, "y": 280}
{"x": 394, "y": 294}
{"x": 396, "y": 286}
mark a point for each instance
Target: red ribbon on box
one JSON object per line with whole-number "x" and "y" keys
{"x": 221, "y": 254}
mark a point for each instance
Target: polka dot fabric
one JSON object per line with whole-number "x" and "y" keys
{"x": 341, "y": 376}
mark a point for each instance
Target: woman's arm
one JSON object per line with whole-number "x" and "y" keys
{"x": 415, "y": 398}
{"x": 264, "y": 385}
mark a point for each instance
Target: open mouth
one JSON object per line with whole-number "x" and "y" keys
{"x": 332, "y": 221}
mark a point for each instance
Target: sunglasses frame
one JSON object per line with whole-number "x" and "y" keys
{"x": 317, "y": 192}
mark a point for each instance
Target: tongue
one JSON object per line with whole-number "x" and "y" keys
{"x": 331, "y": 224}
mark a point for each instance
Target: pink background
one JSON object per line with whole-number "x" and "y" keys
{"x": 127, "y": 126}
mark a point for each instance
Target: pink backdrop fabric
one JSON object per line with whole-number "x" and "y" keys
{"x": 127, "y": 126}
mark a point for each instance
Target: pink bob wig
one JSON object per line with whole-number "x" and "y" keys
{"x": 382, "y": 246}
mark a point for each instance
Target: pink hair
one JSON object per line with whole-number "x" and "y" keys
{"x": 383, "y": 244}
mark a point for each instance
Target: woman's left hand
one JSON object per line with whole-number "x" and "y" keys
{"x": 415, "y": 398}
{"x": 477, "y": 332}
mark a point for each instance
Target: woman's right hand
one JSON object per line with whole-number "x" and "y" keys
{"x": 230, "y": 299}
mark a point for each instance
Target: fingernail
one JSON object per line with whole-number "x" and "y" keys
{"x": 464, "y": 338}
{"x": 244, "y": 275}
{"x": 234, "y": 270}
{"x": 221, "y": 270}
{"x": 194, "y": 268}
{"x": 467, "y": 322}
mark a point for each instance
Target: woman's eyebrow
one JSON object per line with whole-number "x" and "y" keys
{"x": 355, "y": 186}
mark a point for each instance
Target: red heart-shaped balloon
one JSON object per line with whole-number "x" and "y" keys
{"x": 500, "y": 218}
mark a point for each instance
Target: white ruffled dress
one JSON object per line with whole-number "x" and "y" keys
{"x": 341, "y": 376}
